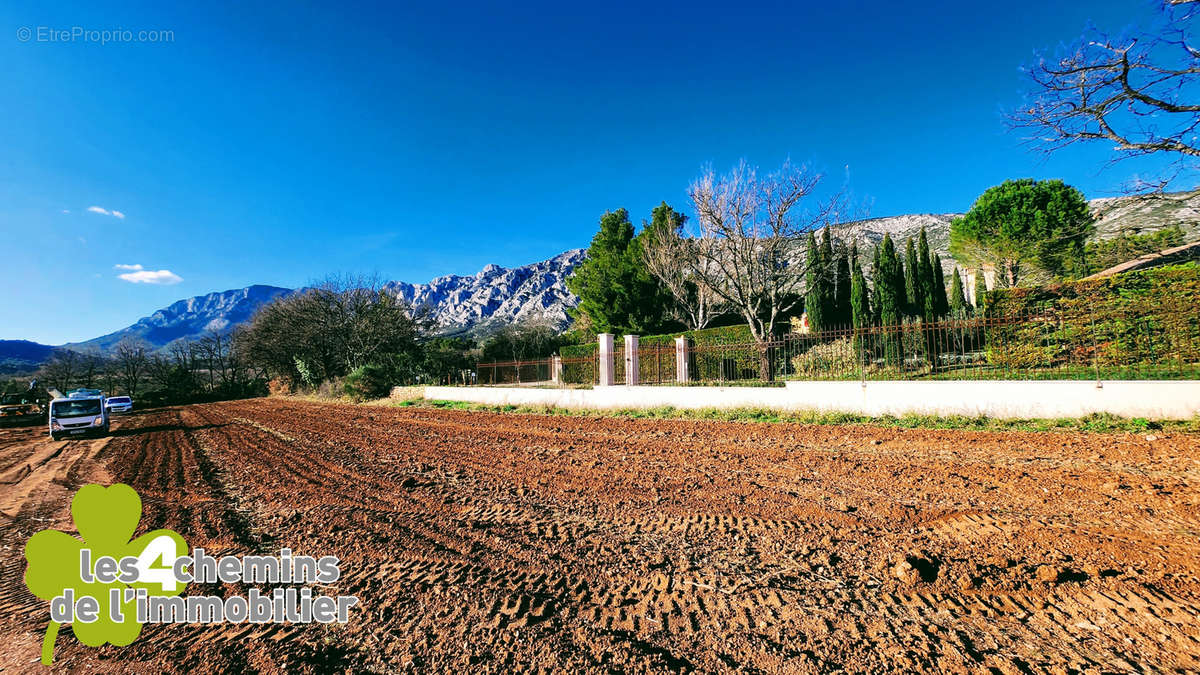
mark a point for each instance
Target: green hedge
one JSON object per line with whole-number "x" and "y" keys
{"x": 1146, "y": 319}
{"x": 579, "y": 363}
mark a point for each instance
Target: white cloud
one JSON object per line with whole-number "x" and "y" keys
{"x": 137, "y": 274}
{"x": 105, "y": 212}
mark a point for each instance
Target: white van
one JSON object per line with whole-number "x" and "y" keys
{"x": 80, "y": 414}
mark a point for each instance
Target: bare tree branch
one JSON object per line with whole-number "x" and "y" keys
{"x": 1137, "y": 91}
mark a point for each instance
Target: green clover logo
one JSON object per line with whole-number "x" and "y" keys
{"x": 106, "y": 518}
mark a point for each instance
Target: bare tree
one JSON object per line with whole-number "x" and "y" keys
{"x": 91, "y": 366}
{"x": 1134, "y": 90}
{"x": 668, "y": 257}
{"x": 131, "y": 362}
{"x": 161, "y": 371}
{"x": 748, "y": 248}
{"x": 62, "y": 371}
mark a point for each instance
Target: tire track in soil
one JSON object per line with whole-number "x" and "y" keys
{"x": 502, "y": 542}
{"x": 629, "y": 607}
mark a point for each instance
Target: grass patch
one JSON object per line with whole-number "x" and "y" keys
{"x": 1095, "y": 423}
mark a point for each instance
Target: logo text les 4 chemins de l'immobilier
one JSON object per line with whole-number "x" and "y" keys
{"x": 107, "y": 586}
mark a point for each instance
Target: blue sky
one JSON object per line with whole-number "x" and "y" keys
{"x": 281, "y": 142}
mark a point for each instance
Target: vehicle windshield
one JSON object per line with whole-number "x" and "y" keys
{"x": 76, "y": 408}
{"x": 12, "y": 399}
{"x": 119, "y": 399}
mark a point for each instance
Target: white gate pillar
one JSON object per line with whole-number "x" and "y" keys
{"x": 681, "y": 360}
{"x": 631, "y": 360}
{"x": 556, "y": 369}
{"x": 605, "y": 343}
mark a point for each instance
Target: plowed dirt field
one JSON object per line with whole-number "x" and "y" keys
{"x": 501, "y": 542}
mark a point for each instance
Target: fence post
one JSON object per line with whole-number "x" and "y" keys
{"x": 681, "y": 360}
{"x": 631, "y": 360}
{"x": 605, "y": 343}
{"x": 860, "y": 344}
{"x": 1095, "y": 347}
{"x": 556, "y": 370}
{"x": 658, "y": 363}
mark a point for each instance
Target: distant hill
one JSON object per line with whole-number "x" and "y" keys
{"x": 498, "y": 296}
{"x": 1148, "y": 213}
{"x": 22, "y": 356}
{"x": 460, "y": 304}
{"x": 189, "y": 319}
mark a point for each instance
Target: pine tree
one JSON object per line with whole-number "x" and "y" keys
{"x": 841, "y": 298}
{"x": 958, "y": 299}
{"x": 980, "y": 291}
{"x": 814, "y": 296}
{"x": 941, "y": 305}
{"x": 615, "y": 290}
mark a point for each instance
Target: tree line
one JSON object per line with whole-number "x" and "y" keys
{"x": 352, "y": 336}
{"x": 766, "y": 249}
{"x": 209, "y": 368}
{"x": 341, "y": 336}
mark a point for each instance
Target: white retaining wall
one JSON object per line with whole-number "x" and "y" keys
{"x": 1152, "y": 399}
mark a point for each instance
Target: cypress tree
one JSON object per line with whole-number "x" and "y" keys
{"x": 841, "y": 298}
{"x": 980, "y": 291}
{"x": 828, "y": 292}
{"x": 958, "y": 298}
{"x": 891, "y": 299}
{"x": 814, "y": 295}
{"x": 913, "y": 286}
{"x": 941, "y": 306}
{"x": 860, "y": 302}
{"x": 877, "y": 282}
{"x": 925, "y": 280}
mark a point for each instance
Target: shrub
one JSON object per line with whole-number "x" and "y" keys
{"x": 824, "y": 359}
{"x": 369, "y": 381}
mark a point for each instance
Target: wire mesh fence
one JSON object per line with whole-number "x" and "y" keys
{"x": 1045, "y": 344}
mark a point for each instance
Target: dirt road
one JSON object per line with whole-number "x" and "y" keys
{"x": 484, "y": 542}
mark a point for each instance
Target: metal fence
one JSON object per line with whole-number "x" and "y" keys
{"x": 1047, "y": 344}
{"x": 514, "y": 372}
